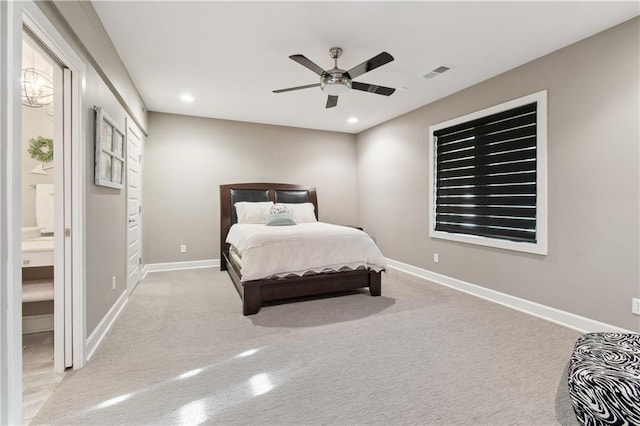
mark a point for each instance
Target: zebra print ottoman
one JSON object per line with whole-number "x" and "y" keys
{"x": 604, "y": 379}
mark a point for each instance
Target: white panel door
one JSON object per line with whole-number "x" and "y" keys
{"x": 134, "y": 209}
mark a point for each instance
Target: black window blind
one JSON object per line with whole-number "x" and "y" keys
{"x": 486, "y": 176}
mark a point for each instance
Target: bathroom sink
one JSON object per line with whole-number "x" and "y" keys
{"x": 30, "y": 233}
{"x": 33, "y": 234}
{"x": 49, "y": 238}
{"x": 37, "y": 250}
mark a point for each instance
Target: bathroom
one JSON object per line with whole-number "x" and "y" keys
{"x": 38, "y": 208}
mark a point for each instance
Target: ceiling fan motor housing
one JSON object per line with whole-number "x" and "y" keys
{"x": 335, "y": 82}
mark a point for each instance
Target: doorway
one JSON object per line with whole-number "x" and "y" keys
{"x": 15, "y": 17}
{"x": 46, "y": 284}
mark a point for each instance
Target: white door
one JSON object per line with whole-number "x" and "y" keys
{"x": 63, "y": 342}
{"x": 134, "y": 208}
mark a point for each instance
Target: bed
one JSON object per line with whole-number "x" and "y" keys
{"x": 255, "y": 292}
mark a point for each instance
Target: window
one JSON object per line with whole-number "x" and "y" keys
{"x": 489, "y": 176}
{"x": 109, "y": 168}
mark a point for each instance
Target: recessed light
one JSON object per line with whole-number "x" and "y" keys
{"x": 352, "y": 120}
{"x": 186, "y": 97}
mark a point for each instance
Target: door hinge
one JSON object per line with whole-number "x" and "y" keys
{"x": 139, "y": 158}
{"x": 139, "y": 209}
{"x": 67, "y": 232}
{"x": 139, "y": 261}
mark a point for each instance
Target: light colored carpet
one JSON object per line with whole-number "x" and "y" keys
{"x": 182, "y": 353}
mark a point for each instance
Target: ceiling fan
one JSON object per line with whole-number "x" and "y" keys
{"x": 337, "y": 81}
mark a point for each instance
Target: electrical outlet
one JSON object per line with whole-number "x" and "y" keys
{"x": 635, "y": 306}
{"x": 183, "y": 248}
{"x": 113, "y": 282}
{"x": 436, "y": 258}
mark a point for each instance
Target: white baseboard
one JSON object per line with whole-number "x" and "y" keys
{"x": 567, "y": 319}
{"x": 37, "y": 323}
{"x": 93, "y": 341}
{"x": 174, "y": 266}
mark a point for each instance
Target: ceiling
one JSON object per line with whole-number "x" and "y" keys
{"x": 230, "y": 55}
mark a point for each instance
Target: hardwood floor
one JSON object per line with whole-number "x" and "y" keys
{"x": 38, "y": 377}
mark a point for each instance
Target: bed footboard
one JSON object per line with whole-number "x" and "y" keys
{"x": 255, "y": 293}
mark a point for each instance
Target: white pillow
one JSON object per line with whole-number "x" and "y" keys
{"x": 302, "y": 212}
{"x": 252, "y": 212}
{"x": 279, "y": 216}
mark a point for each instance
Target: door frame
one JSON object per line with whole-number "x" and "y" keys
{"x": 13, "y": 15}
{"x": 49, "y": 36}
{"x": 10, "y": 218}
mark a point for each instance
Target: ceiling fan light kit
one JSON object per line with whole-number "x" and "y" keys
{"x": 337, "y": 81}
{"x": 335, "y": 84}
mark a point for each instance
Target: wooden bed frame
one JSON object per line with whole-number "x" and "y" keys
{"x": 254, "y": 293}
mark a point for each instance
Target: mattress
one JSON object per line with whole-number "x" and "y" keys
{"x": 276, "y": 251}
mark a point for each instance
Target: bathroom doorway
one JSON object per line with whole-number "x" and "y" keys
{"x": 46, "y": 285}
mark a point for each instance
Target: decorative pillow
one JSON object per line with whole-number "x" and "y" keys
{"x": 252, "y": 212}
{"x": 302, "y": 212}
{"x": 279, "y": 216}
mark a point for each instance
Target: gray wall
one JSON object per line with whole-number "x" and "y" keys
{"x": 593, "y": 173}
{"x": 187, "y": 158}
{"x": 105, "y": 215}
{"x": 105, "y": 220}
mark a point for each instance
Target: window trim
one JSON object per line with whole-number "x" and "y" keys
{"x": 540, "y": 246}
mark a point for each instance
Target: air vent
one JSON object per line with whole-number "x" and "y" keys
{"x": 437, "y": 71}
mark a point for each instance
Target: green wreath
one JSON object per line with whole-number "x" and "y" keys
{"x": 41, "y": 149}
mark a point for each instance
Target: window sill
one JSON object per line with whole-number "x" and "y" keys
{"x": 539, "y": 248}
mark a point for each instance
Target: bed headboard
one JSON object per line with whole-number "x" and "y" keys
{"x": 276, "y": 192}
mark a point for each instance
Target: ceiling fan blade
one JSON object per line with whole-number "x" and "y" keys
{"x": 372, "y": 88}
{"x": 306, "y": 62}
{"x": 289, "y": 89}
{"x": 332, "y": 101}
{"x": 371, "y": 64}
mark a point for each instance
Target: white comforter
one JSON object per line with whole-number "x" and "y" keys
{"x": 267, "y": 251}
